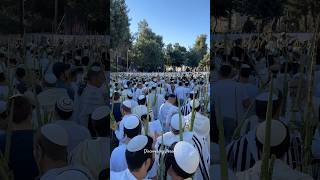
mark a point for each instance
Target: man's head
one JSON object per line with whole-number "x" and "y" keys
{"x": 64, "y": 108}
{"x": 61, "y": 71}
{"x": 182, "y": 160}
{"x": 132, "y": 126}
{"x": 142, "y": 100}
{"x": 175, "y": 123}
{"x": 95, "y": 76}
{"x": 139, "y": 155}
{"x": 50, "y": 147}
{"x": 225, "y": 71}
{"x": 100, "y": 117}
{"x": 22, "y": 110}
{"x": 245, "y": 71}
{"x": 262, "y": 103}
{"x": 196, "y": 105}
{"x": 279, "y": 139}
{"x": 172, "y": 99}
{"x": 20, "y": 73}
{"x": 50, "y": 80}
{"x": 125, "y": 107}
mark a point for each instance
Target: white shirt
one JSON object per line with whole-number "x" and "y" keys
{"x": 118, "y": 159}
{"x": 281, "y": 171}
{"x": 120, "y": 131}
{"x": 48, "y": 98}
{"x": 91, "y": 98}
{"x": 163, "y": 112}
{"x": 123, "y": 175}
{"x": 76, "y": 133}
{"x": 230, "y": 95}
{"x": 133, "y": 103}
{"x": 92, "y": 154}
{"x": 68, "y": 172}
{"x": 180, "y": 92}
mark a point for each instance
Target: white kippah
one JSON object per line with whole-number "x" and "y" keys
{"x": 196, "y": 103}
{"x": 130, "y": 94}
{"x": 186, "y": 156}
{"x": 127, "y": 104}
{"x": 277, "y": 135}
{"x": 95, "y": 68}
{"x": 50, "y": 78}
{"x": 137, "y": 143}
{"x": 245, "y": 66}
{"x": 65, "y": 104}
{"x": 131, "y": 122}
{"x": 141, "y": 97}
{"x": 100, "y": 113}
{"x": 55, "y": 133}
{"x": 175, "y": 122}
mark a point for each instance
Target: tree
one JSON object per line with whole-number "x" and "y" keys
{"x": 265, "y": 10}
{"x": 193, "y": 58}
{"x": 147, "y": 51}
{"x": 176, "y": 54}
{"x": 201, "y": 45}
{"x": 221, "y": 8}
{"x": 197, "y": 52}
{"x": 119, "y": 31}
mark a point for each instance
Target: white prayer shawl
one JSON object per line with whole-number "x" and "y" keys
{"x": 76, "y": 133}
{"x": 91, "y": 98}
{"x": 118, "y": 161}
{"x": 48, "y": 98}
{"x": 217, "y": 173}
{"x": 198, "y": 117}
{"x": 68, "y": 172}
{"x": 98, "y": 151}
{"x": 119, "y": 132}
{"x": 137, "y": 93}
{"x": 123, "y": 175}
{"x": 243, "y": 153}
{"x": 155, "y": 105}
{"x": 201, "y": 145}
{"x": 163, "y": 113}
{"x": 281, "y": 171}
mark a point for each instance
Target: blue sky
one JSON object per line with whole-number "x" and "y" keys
{"x": 175, "y": 20}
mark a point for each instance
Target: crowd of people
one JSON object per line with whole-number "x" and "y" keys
{"x": 160, "y": 126}
{"x": 267, "y": 79}
{"x": 54, "y": 109}
{"x": 63, "y": 116}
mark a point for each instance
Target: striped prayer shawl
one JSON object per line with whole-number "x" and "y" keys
{"x": 202, "y": 164}
{"x": 242, "y": 153}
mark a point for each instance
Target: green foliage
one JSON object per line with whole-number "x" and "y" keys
{"x": 148, "y": 52}
{"x": 261, "y": 9}
{"x": 197, "y": 52}
{"x": 39, "y": 14}
{"x": 221, "y": 8}
{"x": 119, "y": 24}
{"x": 175, "y": 55}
